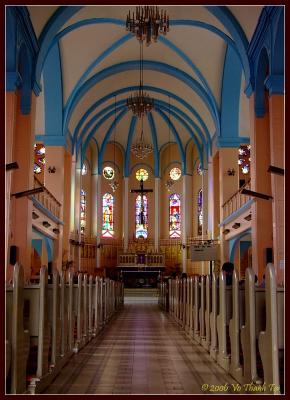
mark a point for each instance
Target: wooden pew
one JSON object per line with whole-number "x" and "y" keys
{"x": 248, "y": 331}
{"x": 54, "y": 318}
{"x": 201, "y": 312}
{"x": 79, "y": 312}
{"x": 71, "y": 313}
{"x": 90, "y": 308}
{"x": 63, "y": 315}
{"x": 36, "y": 299}
{"x": 271, "y": 339}
{"x": 196, "y": 325}
{"x": 234, "y": 329}
{"x": 223, "y": 358}
{"x": 206, "y": 341}
{"x": 16, "y": 334}
{"x": 213, "y": 318}
{"x": 191, "y": 287}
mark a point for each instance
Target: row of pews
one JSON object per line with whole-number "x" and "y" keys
{"x": 46, "y": 323}
{"x": 242, "y": 327}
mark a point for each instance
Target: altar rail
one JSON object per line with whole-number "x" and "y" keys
{"x": 236, "y": 201}
{"x": 47, "y": 323}
{"x": 149, "y": 259}
{"x": 47, "y": 199}
{"x": 241, "y": 328}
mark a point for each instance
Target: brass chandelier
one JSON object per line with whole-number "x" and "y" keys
{"x": 140, "y": 103}
{"x": 148, "y": 24}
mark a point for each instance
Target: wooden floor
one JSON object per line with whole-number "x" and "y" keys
{"x": 141, "y": 351}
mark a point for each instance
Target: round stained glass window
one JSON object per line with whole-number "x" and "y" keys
{"x": 108, "y": 173}
{"x": 142, "y": 174}
{"x": 84, "y": 169}
{"x": 199, "y": 169}
{"x": 175, "y": 174}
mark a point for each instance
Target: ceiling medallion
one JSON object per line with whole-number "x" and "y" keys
{"x": 148, "y": 24}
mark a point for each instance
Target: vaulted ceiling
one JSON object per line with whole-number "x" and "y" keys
{"x": 87, "y": 58}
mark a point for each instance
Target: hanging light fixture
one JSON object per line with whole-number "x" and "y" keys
{"x": 114, "y": 184}
{"x": 148, "y": 24}
{"x": 169, "y": 183}
{"x": 140, "y": 104}
{"x": 141, "y": 149}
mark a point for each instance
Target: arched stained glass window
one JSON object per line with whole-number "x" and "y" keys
{"x": 199, "y": 212}
{"x": 141, "y": 217}
{"x": 108, "y": 216}
{"x": 174, "y": 216}
{"x": 83, "y": 210}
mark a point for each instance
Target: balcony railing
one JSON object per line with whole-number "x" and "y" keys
{"x": 47, "y": 199}
{"x": 236, "y": 201}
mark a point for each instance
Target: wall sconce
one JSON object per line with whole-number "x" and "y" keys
{"x": 51, "y": 170}
{"x": 231, "y": 172}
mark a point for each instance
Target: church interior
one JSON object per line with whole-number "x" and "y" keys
{"x": 144, "y": 209}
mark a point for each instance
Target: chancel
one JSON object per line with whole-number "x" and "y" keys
{"x": 144, "y": 207}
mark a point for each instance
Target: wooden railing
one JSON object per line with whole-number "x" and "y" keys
{"x": 236, "y": 201}
{"x": 47, "y": 199}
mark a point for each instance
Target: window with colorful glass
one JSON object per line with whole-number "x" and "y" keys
{"x": 244, "y": 158}
{"x": 174, "y": 216}
{"x": 83, "y": 211}
{"x": 39, "y": 160}
{"x": 142, "y": 174}
{"x": 108, "y": 216}
{"x": 141, "y": 217}
{"x": 199, "y": 213}
{"x": 108, "y": 173}
{"x": 175, "y": 173}
{"x": 199, "y": 169}
{"x": 84, "y": 169}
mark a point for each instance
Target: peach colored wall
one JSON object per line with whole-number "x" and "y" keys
{"x": 228, "y": 185}
{"x": 66, "y": 200}
{"x": 21, "y": 208}
{"x": 216, "y": 195}
{"x": 276, "y": 105}
{"x": 262, "y": 225}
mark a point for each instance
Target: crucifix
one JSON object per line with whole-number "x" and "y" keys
{"x": 142, "y": 191}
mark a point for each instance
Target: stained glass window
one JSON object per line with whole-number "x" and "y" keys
{"x": 199, "y": 212}
{"x": 175, "y": 174}
{"x": 83, "y": 210}
{"x": 142, "y": 174}
{"x": 199, "y": 169}
{"x": 108, "y": 216}
{"x": 174, "y": 216}
{"x": 84, "y": 169}
{"x": 108, "y": 173}
{"x": 39, "y": 160}
{"x": 141, "y": 217}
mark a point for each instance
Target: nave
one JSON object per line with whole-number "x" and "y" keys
{"x": 141, "y": 351}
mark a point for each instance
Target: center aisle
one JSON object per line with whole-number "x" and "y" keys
{"x": 141, "y": 351}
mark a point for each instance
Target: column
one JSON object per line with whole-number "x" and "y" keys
{"x": 157, "y": 213}
{"x": 98, "y": 182}
{"x": 21, "y": 208}
{"x": 11, "y": 103}
{"x": 228, "y": 185}
{"x": 186, "y": 216}
{"x": 262, "y": 222}
{"x": 125, "y": 213}
{"x": 276, "y": 105}
{"x": 210, "y": 201}
{"x": 205, "y": 217}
